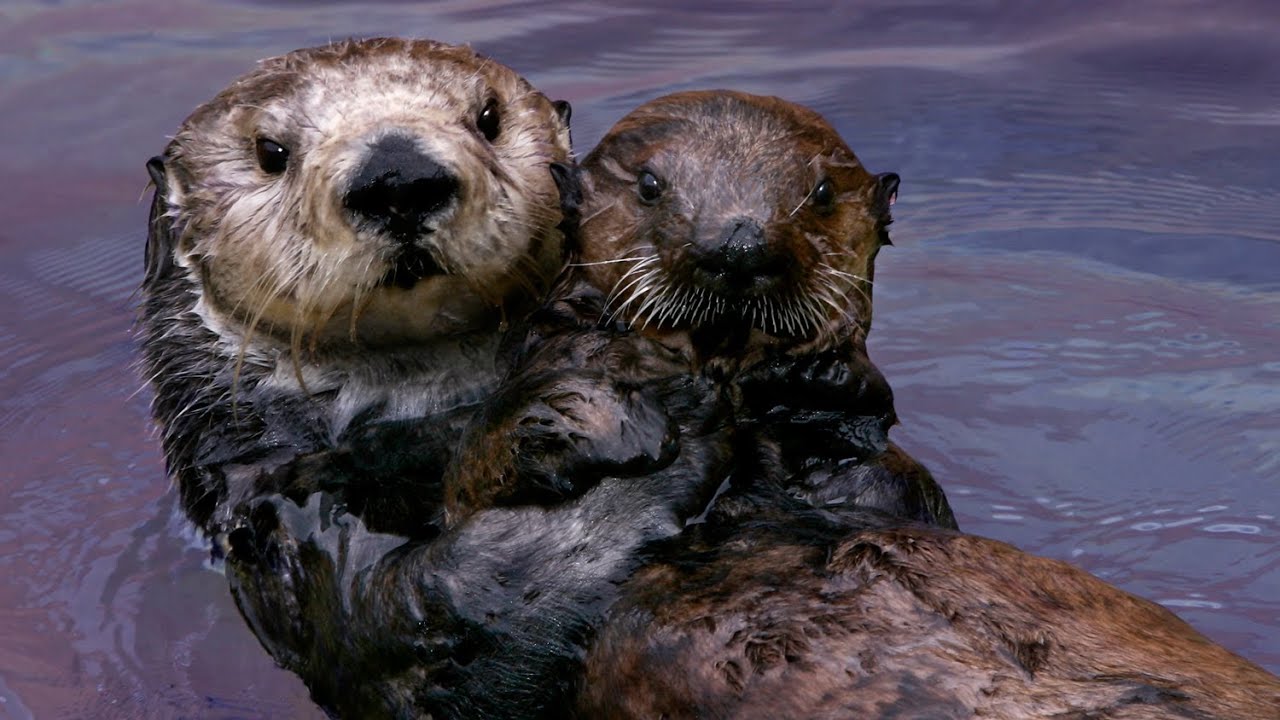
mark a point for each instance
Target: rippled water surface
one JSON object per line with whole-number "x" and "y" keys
{"x": 1080, "y": 318}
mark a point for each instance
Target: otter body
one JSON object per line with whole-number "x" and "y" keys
{"x": 772, "y": 611}
{"x": 336, "y": 241}
{"x": 795, "y": 599}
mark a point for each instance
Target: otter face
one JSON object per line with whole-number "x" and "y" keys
{"x": 381, "y": 191}
{"x": 720, "y": 207}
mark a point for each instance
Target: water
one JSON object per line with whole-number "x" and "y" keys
{"x": 1080, "y": 318}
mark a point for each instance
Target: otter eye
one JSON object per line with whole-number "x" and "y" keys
{"x": 649, "y": 187}
{"x": 488, "y": 121}
{"x": 272, "y": 156}
{"x": 824, "y": 195}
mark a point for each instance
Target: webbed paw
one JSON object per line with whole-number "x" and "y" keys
{"x": 833, "y": 404}
{"x": 574, "y": 432}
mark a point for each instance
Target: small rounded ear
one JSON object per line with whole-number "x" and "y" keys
{"x": 563, "y": 110}
{"x": 155, "y": 168}
{"x": 568, "y": 177}
{"x": 887, "y": 189}
{"x": 886, "y": 194}
{"x": 160, "y": 241}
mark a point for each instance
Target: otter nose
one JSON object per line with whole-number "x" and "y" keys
{"x": 399, "y": 188}
{"x": 742, "y": 254}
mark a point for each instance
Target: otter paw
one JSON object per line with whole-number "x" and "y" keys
{"x": 822, "y": 406}
{"x": 572, "y": 439}
{"x": 840, "y": 379}
{"x": 573, "y": 433}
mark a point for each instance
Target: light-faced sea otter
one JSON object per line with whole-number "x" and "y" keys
{"x": 302, "y": 413}
{"x": 335, "y": 241}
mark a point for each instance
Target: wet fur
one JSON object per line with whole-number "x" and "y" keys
{"x": 777, "y": 610}
{"x": 268, "y": 413}
{"x": 297, "y": 392}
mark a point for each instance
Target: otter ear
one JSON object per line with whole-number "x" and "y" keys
{"x": 159, "y": 253}
{"x": 569, "y": 181}
{"x": 563, "y": 109}
{"x": 564, "y": 112}
{"x": 887, "y": 190}
{"x": 886, "y": 194}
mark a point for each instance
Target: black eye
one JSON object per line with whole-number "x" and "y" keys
{"x": 824, "y": 195}
{"x": 649, "y": 187}
{"x": 488, "y": 121}
{"x": 272, "y": 156}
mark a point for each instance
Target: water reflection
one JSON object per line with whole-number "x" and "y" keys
{"x": 1081, "y": 318}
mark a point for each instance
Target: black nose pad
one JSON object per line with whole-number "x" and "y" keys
{"x": 399, "y": 188}
{"x": 743, "y": 254}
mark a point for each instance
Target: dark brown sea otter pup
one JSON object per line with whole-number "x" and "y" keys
{"x": 776, "y": 608}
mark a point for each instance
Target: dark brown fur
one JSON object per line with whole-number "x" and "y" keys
{"x": 793, "y": 601}
{"x": 911, "y": 622}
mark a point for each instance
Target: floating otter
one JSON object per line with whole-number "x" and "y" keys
{"x": 780, "y": 607}
{"x": 775, "y": 606}
{"x": 335, "y": 243}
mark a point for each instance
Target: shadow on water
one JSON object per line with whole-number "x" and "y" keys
{"x": 1081, "y": 317}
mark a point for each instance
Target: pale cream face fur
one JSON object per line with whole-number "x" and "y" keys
{"x": 280, "y": 255}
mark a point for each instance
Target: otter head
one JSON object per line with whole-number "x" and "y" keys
{"x": 385, "y": 192}
{"x": 715, "y": 208}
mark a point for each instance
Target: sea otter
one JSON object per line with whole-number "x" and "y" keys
{"x": 774, "y": 605}
{"x": 777, "y": 606}
{"x": 492, "y": 618}
{"x": 335, "y": 241}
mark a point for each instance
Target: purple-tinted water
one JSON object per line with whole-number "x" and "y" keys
{"x": 1081, "y": 317}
